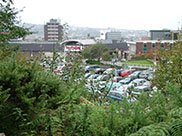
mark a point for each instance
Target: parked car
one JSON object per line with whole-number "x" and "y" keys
{"x": 91, "y": 68}
{"x": 109, "y": 71}
{"x": 92, "y": 77}
{"x": 150, "y": 77}
{"x": 117, "y": 78}
{"x": 99, "y": 70}
{"x": 102, "y": 78}
{"x": 119, "y": 96}
{"x": 126, "y": 73}
{"x": 135, "y": 75}
{"x": 125, "y": 81}
{"x": 137, "y": 90}
{"x": 116, "y": 95}
{"x": 87, "y": 75}
{"x": 118, "y": 72}
{"x": 137, "y": 82}
{"x": 145, "y": 74}
{"x": 121, "y": 89}
{"x": 113, "y": 85}
{"x": 148, "y": 84}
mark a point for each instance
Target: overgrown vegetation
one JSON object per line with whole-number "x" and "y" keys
{"x": 36, "y": 102}
{"x": 169, "y": 66}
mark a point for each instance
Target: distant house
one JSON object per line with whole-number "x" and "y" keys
{"x": 121, "y": 49}
{"x": 117, "y": 46}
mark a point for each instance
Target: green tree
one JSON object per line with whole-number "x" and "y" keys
{"x": 169, "y": 66}
{"x": 97, "y": 50}
{"x": 86, "y": 53}
{"x": 10, "y": 27}
{"x": 106, "y": 56}
{"x": 64, "y": 33}
{"x": 9, "y": 24}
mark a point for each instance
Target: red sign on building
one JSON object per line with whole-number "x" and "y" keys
{"x": 73, "y": 48}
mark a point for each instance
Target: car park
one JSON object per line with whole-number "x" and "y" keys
{"x": 109, "y": 71}
{"x": 91, "y": 68}
{"x": 117, "y": 78}
{"x": 144, "y": 75}
{"x": 135, "y": 75}
{"x": 139, "y": 89}
{"x": 113, "y": 85}
{"x": 125, "y": 81}
{"x": 148, "y": 84}
{"x": 99, "y": 70}
{"x": 137, "y": 82}
{"x": 150, "y": 77}
{"x": 121, "y": 88}
{"x": 87, "y": 75}
{"x": 92, "y": 77}
{"x": 102, "y": 78}
{"x": 126, "y": 73}
{"x": 116, "y": 95}
{"x": 119, "y": 96}
{"x": 118, "y": 72}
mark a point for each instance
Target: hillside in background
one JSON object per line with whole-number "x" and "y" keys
{"x": 83, "y": 32}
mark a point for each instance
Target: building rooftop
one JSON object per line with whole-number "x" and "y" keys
{"x": 154, "y": 41}
{"x": 121, "y": 46}
{"x": 160, "y": 30}
{"x": 84, "y": 42}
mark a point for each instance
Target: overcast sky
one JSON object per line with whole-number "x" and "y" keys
{"x": 122, "y": 14}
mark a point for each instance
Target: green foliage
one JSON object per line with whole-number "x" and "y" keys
{"x": 95, "y": 52}
{"x": 143, "y": 56}
{"x": 9, "y": 27}
{"x": 169, "y": 67}
{"x": 35, "y": 102}
{"x": 94, "y": 62}
{"x": 106, "y": 56}
{"x": 145, "y": 62}
{"x": 86, "y": 53}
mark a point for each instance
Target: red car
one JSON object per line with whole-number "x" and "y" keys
{"x": 126, "y": 73}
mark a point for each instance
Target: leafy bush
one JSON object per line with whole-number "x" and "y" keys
{"x": 29, "y": 95}
{"x": 93, "y": 62}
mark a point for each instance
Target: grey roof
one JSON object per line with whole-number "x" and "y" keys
{"x": 82, "y": 41}
{"x": 49, "y": 46}
{"x": 37, "y": 46}
{"x": 160, "y": 30}
{"x": 121, "y": 46}
{"x": 155, "y": 41}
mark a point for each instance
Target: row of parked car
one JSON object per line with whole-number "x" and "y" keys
{"x": 122, "y": 82}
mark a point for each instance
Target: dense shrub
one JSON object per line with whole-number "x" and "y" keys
{"x": 35, "y": 102}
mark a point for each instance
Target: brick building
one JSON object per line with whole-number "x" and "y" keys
{"x": 53, "y": 30}
{"x": 152, "y": 45}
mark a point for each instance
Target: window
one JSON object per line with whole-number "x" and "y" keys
{"x": 171, "y": 45}
{"x": 162, "y": 46}
{"x": 145, "y": 47}
{"x": 153, "y": 46}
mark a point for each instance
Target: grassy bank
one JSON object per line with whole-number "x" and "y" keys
{"x": 145, "y": 62}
